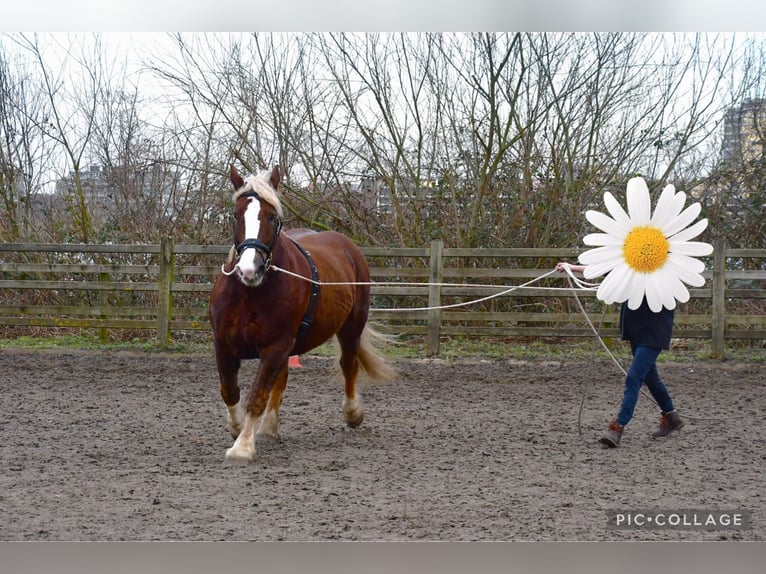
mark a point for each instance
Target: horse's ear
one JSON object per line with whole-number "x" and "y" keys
{"x": 274, "y": 179}
{"x": 236, "y": 179}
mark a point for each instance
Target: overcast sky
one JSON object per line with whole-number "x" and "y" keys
{"x": 391, "y": 15}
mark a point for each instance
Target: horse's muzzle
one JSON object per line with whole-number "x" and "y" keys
{"x": 251, "y": 271}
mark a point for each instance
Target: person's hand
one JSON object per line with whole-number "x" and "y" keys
{"x": 562, "y": 266}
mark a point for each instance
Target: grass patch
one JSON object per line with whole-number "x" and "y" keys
{"x": 453, "y": 348}
{"x": 92, "y": 343}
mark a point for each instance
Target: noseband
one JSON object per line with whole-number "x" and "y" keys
{"x": 255, "y": 243}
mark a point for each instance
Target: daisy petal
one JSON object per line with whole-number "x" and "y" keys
{"x": 636, "y": 291}
{"x": 606, "y": 223}
{"x": 654, "y": 292}
{"x": 610, "y": 287}
{"x": 625, "y": 286}
{"x": 691, "y": 248}
{"x": 598, "y": 269}
{"x": 616, "y": 210}
{"x": 679, "y": 290}
{"x": 598, "y": 254}
{"x": 691, "y": 264}
{"x": 667, "y": 283}
{"x": 689, "y": 232}
{"x": 605, "y": 292}
{"x": 681, "y": 269}
{"x": 634, "y": 277}
{"x": 639, "y": 204}
{"x": 669, "y": 303}
{"x": 664, "y": 207}
{"x": 601, "y": 239}
{"x": 684, "y": 218}
{"x": 672, "y": 210}
{"x": 623, "y": 277}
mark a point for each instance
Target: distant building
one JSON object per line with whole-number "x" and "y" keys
{"x": 377, "y": 196}
{"x": 744, "y": 133}
{"x": 104, "y": 187}
{"x": 737, "y": 190}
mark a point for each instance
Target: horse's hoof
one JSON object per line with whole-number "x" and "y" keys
{"x": 236, "y": 456}
{"x": 355, "y": 421}
{"x": 353, "y": 412}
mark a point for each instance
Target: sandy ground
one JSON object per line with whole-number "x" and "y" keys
{"x": 118, "y": 446}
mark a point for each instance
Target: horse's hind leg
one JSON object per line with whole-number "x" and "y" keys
{"x": 353, "y": 411}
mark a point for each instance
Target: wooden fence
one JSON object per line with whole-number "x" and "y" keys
{"x": 431, "y": 291}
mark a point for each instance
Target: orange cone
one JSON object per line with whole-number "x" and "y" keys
{"x": 294, "y": 361}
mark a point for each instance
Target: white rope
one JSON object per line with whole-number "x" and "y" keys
{"x": 503, "y": 290}
{"x": 475, "y": 301}
{"x": 572, "y": 279}
{"x": 579, "y": 282}
{"x": 575, "y": 284}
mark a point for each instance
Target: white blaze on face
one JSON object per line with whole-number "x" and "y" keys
{"x": 252, "y": 228}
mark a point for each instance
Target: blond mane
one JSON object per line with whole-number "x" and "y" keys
{"x": 262, "y": 186}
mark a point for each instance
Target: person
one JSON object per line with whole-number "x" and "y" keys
{"x": 649, "y": 334}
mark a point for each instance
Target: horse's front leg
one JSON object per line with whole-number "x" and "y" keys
{"x": 228, "y": 372}
{"x": 269, "y": 423}
{"x": 272, "y": 373}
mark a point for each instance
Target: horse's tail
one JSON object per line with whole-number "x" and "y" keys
{"x": 371, "y": 360}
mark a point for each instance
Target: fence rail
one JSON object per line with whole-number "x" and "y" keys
{"x": 164, "y": 288}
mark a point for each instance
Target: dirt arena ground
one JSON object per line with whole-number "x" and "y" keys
{"x": 118, "y": 446}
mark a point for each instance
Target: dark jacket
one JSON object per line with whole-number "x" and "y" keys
{"x": 643, "y": 327}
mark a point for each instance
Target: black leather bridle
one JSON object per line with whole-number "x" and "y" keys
{"x": 255, "y": 243}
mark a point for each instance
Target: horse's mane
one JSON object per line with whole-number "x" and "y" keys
{"x": 260, "y": 184}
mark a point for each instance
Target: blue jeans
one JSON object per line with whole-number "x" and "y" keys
{"x": 643, "y": 370}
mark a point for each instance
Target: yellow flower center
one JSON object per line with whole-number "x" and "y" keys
{"x": 645, "y": 249}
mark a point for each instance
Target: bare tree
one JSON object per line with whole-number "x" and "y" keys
{"x": 70, "y": 88}
{"x": 395, "y": 138}
{"x": 22, "y": 148}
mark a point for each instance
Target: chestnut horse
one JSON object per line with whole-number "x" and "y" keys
{"x": 259, "y": 311}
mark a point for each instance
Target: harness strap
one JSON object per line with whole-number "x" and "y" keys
{"x": 308, "y": 316}
{"x": 254, "y": 242}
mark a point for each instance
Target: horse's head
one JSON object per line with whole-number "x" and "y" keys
{"x": 257, "y": 222}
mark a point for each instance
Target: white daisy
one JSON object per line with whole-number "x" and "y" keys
{"x": 646, "y": 254}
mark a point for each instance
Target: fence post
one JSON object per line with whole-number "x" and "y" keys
{"x": 164, "y": 294}
{"x": 718, "y": 299}
{"x": 434, "y": 297}
{"x": 103, "y": 301}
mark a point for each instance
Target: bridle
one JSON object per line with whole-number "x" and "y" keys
{"x": 255, "y": 243}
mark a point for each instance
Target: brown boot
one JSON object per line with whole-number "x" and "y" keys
{"x": 613, "y": 435}
{"x": 669, "y": 422}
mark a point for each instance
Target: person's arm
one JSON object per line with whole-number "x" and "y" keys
{"x": 562, "y": 265}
